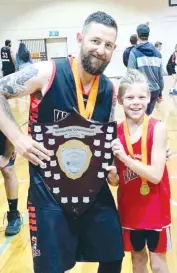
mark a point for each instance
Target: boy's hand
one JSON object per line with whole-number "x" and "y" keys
{"x": 118, "y": 150}
{"x": 113, "y": 178}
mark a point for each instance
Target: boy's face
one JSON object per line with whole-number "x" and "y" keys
{"x": 135, "y": 100}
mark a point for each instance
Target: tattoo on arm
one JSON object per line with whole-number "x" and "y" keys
{"x": 14, "y": 84}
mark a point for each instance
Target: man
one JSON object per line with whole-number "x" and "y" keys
{"x": 158, "y": 46}
{"x": 126, "y": 54}
{"x": 8, "y": 59}
{"x": 8, "y": 172}
{"x": 172, "y": 62}
{"x": 147, "y": 59}
{"x": 7, "y": 159}
{"x": 59, "y": 239}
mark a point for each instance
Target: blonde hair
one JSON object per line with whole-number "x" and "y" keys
{"x": 132, "y": 76}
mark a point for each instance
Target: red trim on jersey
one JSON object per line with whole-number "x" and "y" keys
{"x": 51, "y": 78}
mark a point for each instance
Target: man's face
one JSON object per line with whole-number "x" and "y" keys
{"x": 159, "y": 48}
{"x": 97, "y": 46}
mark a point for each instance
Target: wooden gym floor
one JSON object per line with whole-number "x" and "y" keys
{"x": 15, "y": 252}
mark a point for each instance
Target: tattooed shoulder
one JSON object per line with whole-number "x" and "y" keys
{"x": 14, "y": 84}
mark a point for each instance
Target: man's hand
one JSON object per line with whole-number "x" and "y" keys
{"x": 31, "y": 150}
{"x": 113, "y": 178}
{"x": 118, "y": 150}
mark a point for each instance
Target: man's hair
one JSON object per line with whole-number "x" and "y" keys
{"x": 133, "y": 39}
{"x": 157, "y": 44}
{"x": 132, "y": 76}
{"x": 100, "y": 17}
{"x": 7, "y": 42}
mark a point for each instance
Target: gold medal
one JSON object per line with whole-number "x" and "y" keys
{"x": 87, "y": 111}
{"x": 145, "y": 189}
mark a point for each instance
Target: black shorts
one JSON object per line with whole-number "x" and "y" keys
{"x": 171, "y": 70}
{"x": 59, "y": 239}
{"x": 6, "y": 73}
{"x": 2, "y": 150}
{"x": 156, "y": 241}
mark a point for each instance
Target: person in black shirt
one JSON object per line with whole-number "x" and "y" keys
{"x": 133, "y": 41}
{"x": 7, "y": 58}
{"x": 172, "y": 62}
{"x": 7, "y": 156}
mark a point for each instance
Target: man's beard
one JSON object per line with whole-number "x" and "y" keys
{"x": 91, "y": 67}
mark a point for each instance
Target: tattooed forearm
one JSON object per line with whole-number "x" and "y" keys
{"x": 14, "y": 84}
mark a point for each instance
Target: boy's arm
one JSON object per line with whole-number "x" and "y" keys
{"x": 154, "y": 172}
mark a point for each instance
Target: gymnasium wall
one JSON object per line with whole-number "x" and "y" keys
{"x": 23, "y": 19}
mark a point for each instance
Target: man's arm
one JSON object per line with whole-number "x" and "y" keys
{"x": 12, "y": 56}
{"x": 132, "y": 63}
{"x": 154, "y": 172}
{"x": 27, "y": 81}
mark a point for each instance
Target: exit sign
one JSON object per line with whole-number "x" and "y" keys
{"x": 53, "y": 33}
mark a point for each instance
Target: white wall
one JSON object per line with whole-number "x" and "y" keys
{"x": 33, "y": 19}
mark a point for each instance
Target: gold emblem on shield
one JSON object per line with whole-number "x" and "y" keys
{"x": 74, "y": 158}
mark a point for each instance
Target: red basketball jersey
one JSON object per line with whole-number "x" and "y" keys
{"x": 139, "y": 211}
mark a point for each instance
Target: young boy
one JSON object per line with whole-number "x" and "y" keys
{"x": 144, "y": 192}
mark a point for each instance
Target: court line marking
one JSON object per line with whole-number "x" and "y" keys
{"x": 173, "y": 155}
{"x": 20, "y": 181}
{"x": 23, "y": 100}
{"x": 7, "y": 241}
{"x": 173, "y": 203}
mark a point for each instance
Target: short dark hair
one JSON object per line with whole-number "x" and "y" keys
{"x": 157, "y": 44}
{"x": 101, "y": 17}
{"x": 7, "y": 42}
{"x": 133, "y": 39}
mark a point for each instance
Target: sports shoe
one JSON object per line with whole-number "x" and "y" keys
{"x": 14, "y": 223}
{"x": 173, "y": 92}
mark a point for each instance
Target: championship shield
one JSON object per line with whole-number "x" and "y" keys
{"x": 80, "y": 152}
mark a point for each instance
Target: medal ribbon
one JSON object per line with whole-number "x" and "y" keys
{"x": 143, "y": 143}
{"x": 87, "y": 111}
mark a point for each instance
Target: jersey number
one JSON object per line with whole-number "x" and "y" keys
{"x": 4, "y": 55}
